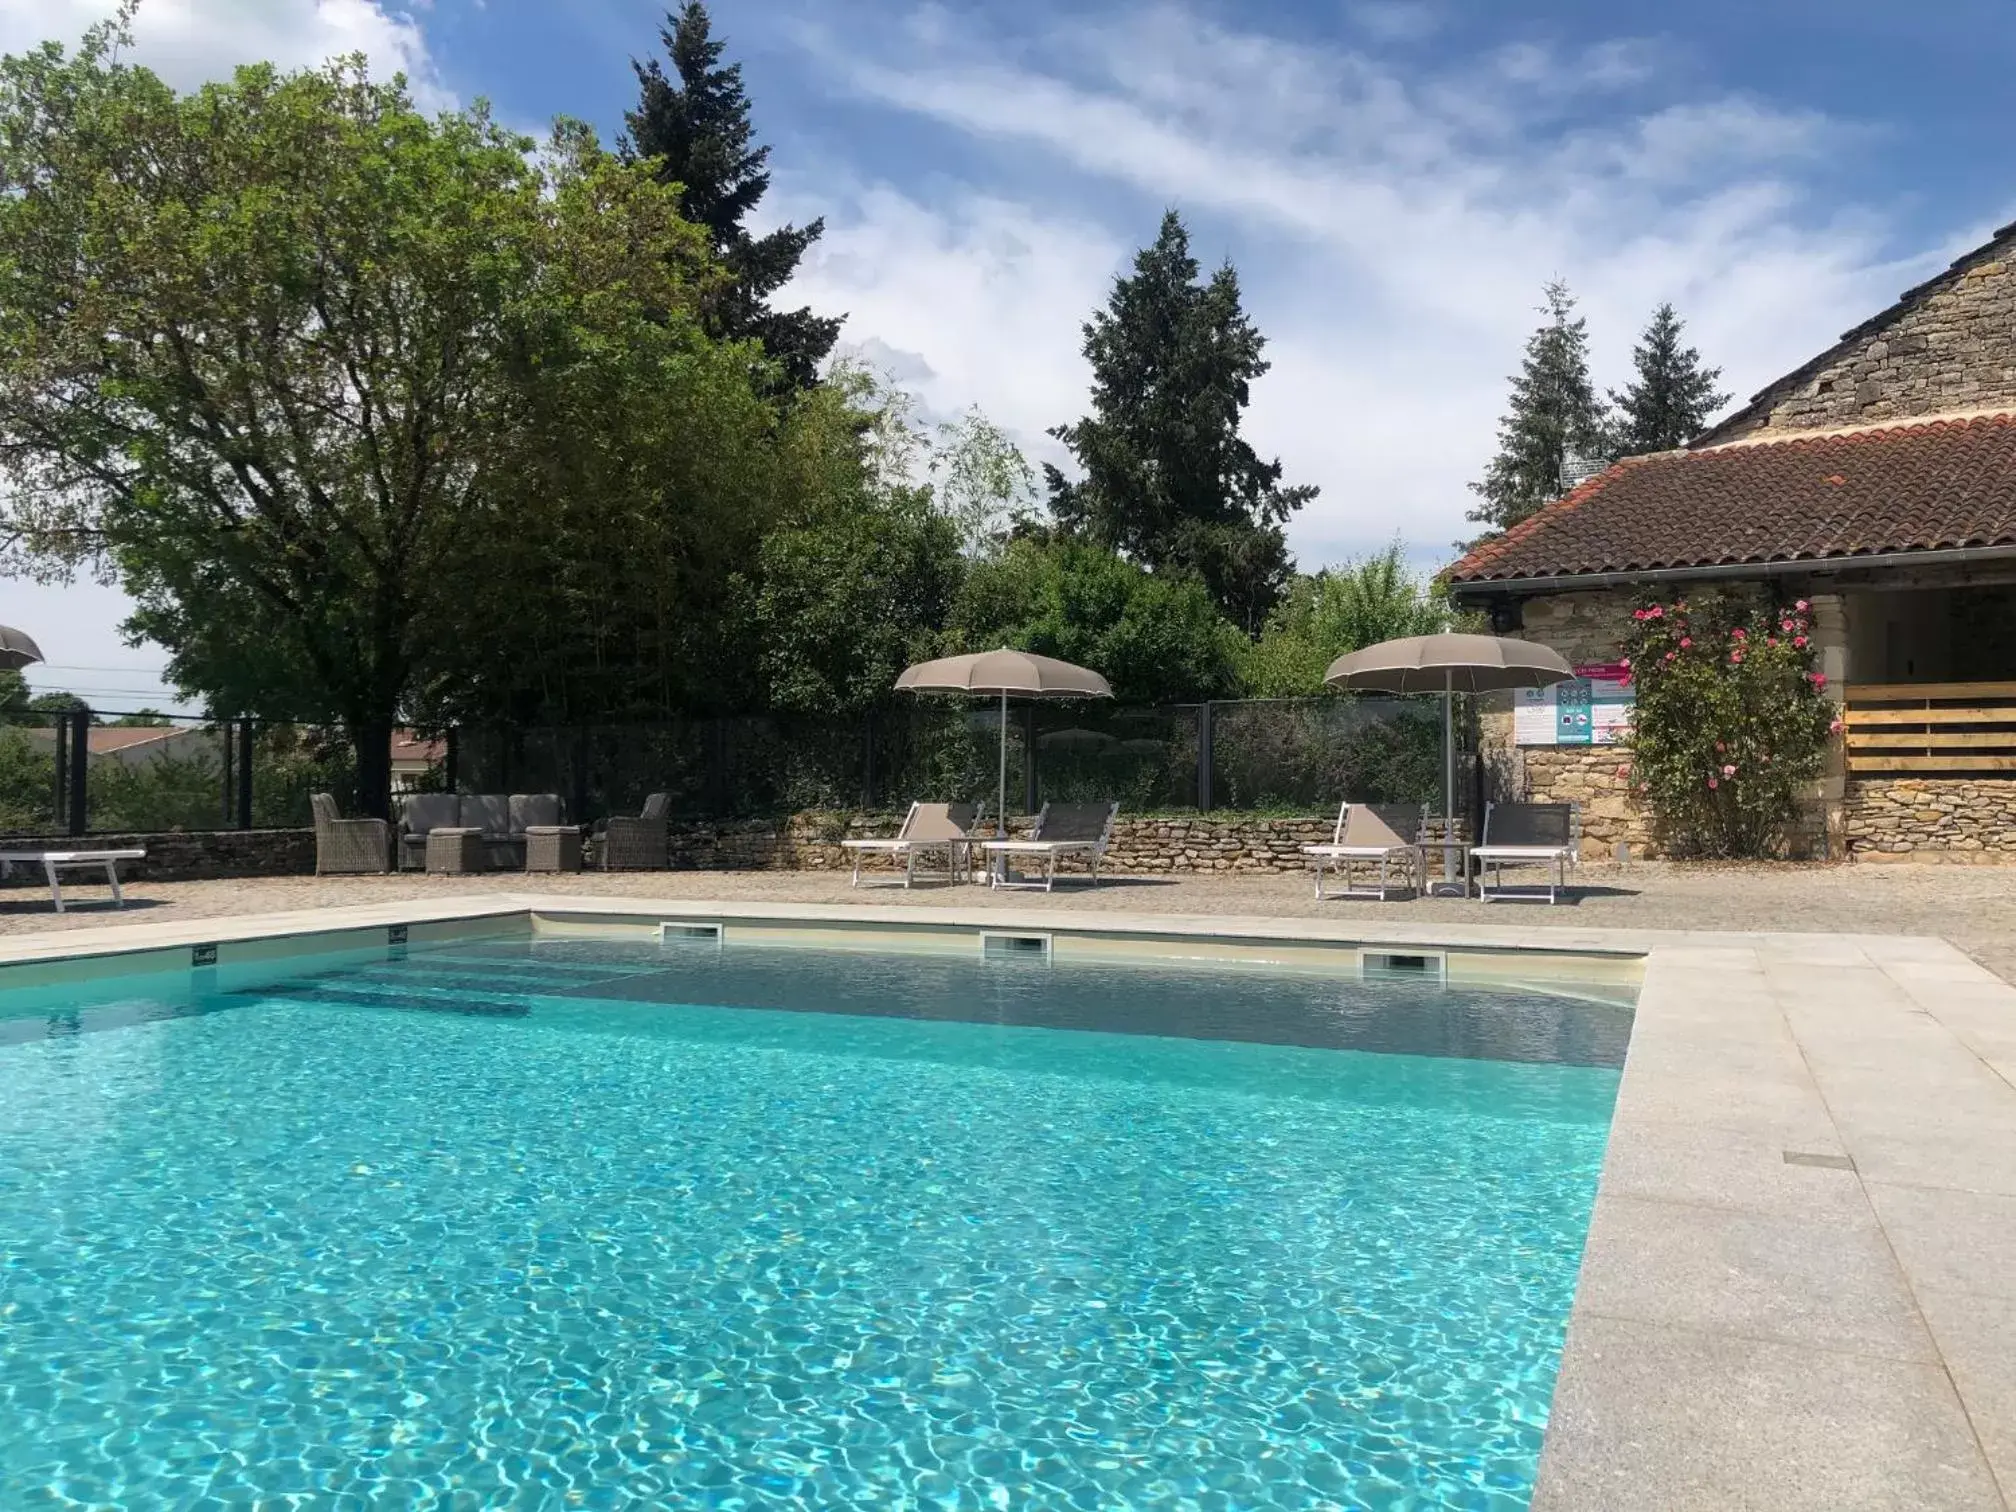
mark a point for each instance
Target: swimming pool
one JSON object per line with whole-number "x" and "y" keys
{"x": 581, "y": 1222}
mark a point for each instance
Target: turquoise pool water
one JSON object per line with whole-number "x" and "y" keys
{"x": 581, "y": 1224}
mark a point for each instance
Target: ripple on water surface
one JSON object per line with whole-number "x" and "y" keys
{"x": 607, "y": 1233}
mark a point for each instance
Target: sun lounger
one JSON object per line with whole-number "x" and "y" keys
{"x": 1381, "y": 832}
{"x": 928, "y": 830}
{"x": 1525, "y": 834}
{"x": 1062, "y": 829}
{"x": 51, "y": 861}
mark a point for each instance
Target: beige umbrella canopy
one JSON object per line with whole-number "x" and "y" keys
{"x": 1449, "y": 664}
{"x": 16, "y": 650}
{"x": 1003, "y": 672}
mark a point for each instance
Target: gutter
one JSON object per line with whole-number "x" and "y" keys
{"x": 1487, "y": 588}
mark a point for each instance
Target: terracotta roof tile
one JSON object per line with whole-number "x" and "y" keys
{"x": 1919, "y": 485}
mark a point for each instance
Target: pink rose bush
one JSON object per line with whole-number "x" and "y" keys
{"x": 1732, "y": 723}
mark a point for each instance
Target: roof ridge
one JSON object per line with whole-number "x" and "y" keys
{"x": 2006, "y": 410}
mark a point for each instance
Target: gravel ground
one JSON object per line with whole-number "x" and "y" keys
{"x": 1973, "y": 906}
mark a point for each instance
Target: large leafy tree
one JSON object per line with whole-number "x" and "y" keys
{"x": 1340, "y": 609}
{"x": 271, "y": 354}
{"x": 1167, "y": 477}
{"x": 1157, "y": 637}
{"x": 694, "y": 122}
{"x": 1669, "y": 401}
{"x": 1553, "y": 416}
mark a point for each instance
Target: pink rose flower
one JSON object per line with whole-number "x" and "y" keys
{"x": 1802, "y": 606}
{"x": 1736, "y": 655}
{"x": 1834, "y": 728}
{"x": 1713, "y": 783}
{"x": 1671, "y": 654}
{"x": 1799, "y": 641}
{"x": 1685, "y": 642}
{"x": 1739, "y": 633}
{"x": 1818, "y": 679}
{"x": 1728, "y": 771}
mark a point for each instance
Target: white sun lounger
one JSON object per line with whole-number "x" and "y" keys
{"x": 1062, "y": 829}
{"x": 1381, "y": 832}
{"x": 927, "y": 829}
{"x": 52, "y": 861}
{"x": 1525, "y": 834}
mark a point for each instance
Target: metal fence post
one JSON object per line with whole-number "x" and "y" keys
{"x": 450, "y": 745}
{"x": 59, "y": 801}
{"x": 80, "y": 767}
{"x": 245, "y": 739}
{"x": 1204, "y": 757}
{"x": 868, "y": 760}
{"x": 1029, "y": 791}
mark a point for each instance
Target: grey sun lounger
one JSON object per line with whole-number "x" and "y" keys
{"x": 1525, "y": 834}
{"x": 1372, "y": 832}
{"x": 928, "y": 830}
{"x": 52, "y": 861}
{"x": 1062, "y": 829}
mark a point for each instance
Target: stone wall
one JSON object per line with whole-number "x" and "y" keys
{"x": 1953, "y": 349}
{"x": 811, "y": 842}
{"x": 185, "y": 856}
{"x": 1583, "y": 627}
{"x": 1931, "y": 819}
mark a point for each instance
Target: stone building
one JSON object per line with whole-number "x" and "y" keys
{"x": 1877, "y": 481}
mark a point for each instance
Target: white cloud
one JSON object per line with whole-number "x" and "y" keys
{"x": 1393, "y": 228}
{"x": 189, "y": 42}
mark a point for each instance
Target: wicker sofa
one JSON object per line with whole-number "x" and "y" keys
{"x": 502, "y": 818}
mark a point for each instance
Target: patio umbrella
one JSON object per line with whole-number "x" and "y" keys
{"x": 1004, "y": 672}
{"x": 16, "y": 649}
{"x": 1449, "y": 664}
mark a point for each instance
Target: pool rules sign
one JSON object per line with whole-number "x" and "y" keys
{"x": 1591, "y": 708}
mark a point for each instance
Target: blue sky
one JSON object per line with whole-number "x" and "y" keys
{"x": 1394, "y": 179}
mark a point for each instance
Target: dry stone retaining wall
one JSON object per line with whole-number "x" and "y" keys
{"x": 811, "y": 842}
{"x": 1931, "y": 819}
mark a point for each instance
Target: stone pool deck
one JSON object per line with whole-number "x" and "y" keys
{"x": 1798, "y": 1289}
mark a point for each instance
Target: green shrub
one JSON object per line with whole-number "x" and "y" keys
{"x": 1732, "y": 722}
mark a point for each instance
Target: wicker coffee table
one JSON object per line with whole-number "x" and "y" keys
{"x": 553, "y": 848}
{"x": 451, "y": 852}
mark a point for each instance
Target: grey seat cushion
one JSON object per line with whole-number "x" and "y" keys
{"x": 430, "y": 811}
{"x": 489, "y": 812}
{"x": 534, "y": 811}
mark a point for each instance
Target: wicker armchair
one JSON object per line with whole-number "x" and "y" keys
{"x": 348, "y": 845}
{"x": 639, "y": 844}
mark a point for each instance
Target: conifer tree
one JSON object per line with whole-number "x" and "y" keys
{"x": 1670, "y": 400}
{"x": 1554, "y": 415}
{"x": 1168, "y": 479}
{"x": 697, "y": 122}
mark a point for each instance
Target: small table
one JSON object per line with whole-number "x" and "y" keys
{"x": 553, "y": 848}
{"x": 451, "y": 852}
{"x": 51, "y": 861}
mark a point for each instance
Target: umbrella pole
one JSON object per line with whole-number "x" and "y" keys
{"x": 1449, "y": 777}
